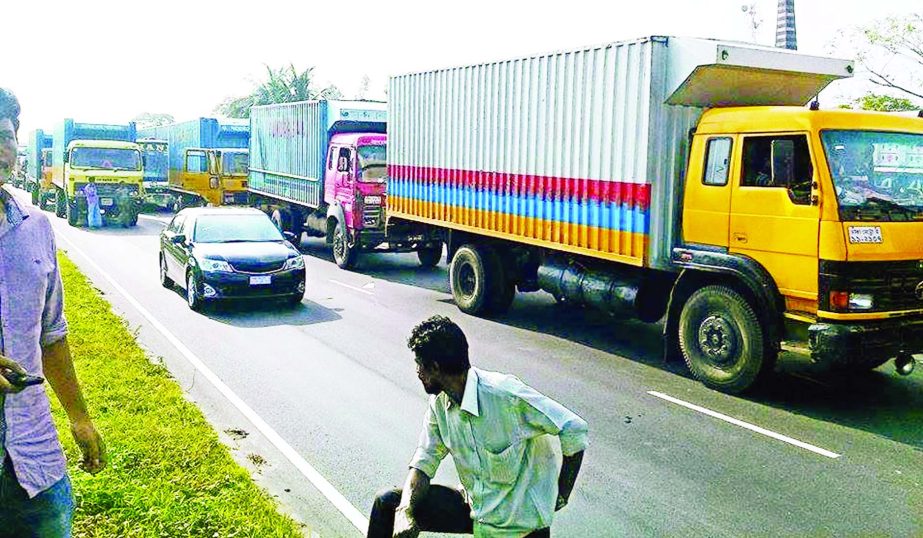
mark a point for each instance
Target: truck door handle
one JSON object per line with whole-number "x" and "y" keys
{"x": 740, "y": 237}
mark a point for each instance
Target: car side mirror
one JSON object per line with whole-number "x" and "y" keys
{"x": 289, "y": 236}
{"x": 178, "y": 239}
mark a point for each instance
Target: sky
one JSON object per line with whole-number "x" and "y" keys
{"x": 108, "y": 61}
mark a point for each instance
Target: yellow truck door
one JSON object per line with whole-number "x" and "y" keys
{"x": 774, "y": 213}
{"x": 707, "y": 203}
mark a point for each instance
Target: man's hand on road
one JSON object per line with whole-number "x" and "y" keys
{"x": 405, "y": 526}
{"x": 10, "y": 364}
{"x": 91, "y": 445}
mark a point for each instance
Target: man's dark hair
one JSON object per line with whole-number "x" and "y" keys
{"x": 9, "y": 107}
{"x": 439, "y": 340}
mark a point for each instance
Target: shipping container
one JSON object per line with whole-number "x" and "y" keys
{"x": 207, "y": 133}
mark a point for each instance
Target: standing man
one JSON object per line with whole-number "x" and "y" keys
{"x": 35, "y": 492}
{"x": 498, "y": 431}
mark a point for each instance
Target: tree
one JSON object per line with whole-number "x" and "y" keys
{"x": 148, "y": 119}
{"x": 282, "y": 85}
{"x": 881, "y": 103}
{"x": 891, "y": 51}
{"x": 363, "y": 92}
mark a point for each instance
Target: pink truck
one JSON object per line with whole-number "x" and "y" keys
{"x": 320, "y": 168}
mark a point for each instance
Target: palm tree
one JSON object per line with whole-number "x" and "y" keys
{"x": 283, "y": 85}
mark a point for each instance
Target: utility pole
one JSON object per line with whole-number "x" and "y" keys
{"x": 785, "y": 26}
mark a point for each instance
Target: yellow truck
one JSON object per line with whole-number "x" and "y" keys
{"x": 675, "y": 180}
{"x": 105, "y": 156}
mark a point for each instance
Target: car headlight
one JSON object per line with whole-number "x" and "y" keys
{"x": 294, "y": 263}
{"x": 216, "y": 266}
{"x": 860, "y": 301}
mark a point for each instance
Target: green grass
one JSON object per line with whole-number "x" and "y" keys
{"x": 168, "y": 473}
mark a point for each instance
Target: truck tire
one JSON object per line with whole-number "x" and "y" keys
{"x": 60, "y": 204}
{"x": 73, "y": 215}
{"x": 476, "y": 278}
{"x": 429, "y": 256}
{"x": 344, "y": 255}
{"x": 722, "y": 340}
{"x": 281, "y": 219}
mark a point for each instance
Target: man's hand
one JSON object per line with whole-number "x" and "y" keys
{"x": 405, "y": 526}
{"x": 10, "y": 364}
{"x": 91, "y": 445}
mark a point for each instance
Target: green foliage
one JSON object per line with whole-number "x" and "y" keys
{"x": 881, "y": 103}
{"x": 283, "y": 85}
{"x": 168, "y": 474}
{"x": 891, "y": 51}
{"x": 148, "y": 119}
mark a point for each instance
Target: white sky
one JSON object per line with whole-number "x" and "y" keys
{"x": 110, "y": 60}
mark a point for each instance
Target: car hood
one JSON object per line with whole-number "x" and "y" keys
{"x": 264, "y": 252}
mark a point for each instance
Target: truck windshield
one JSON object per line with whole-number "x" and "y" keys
{"x": 234, "y": 164}
{"x": 106, "y": 158}
{"x": 373, "y": 163}
{"x": 878, "y": 176}
{"x": 155, "y": 161}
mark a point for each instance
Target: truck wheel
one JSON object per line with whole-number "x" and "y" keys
{"x": 475, "y": 276}
{"x": 281, "y": 219}
{"x": 429, "y": 256}
{"x": 73, "y": 215}
{"x": 343, "y": 254}
{"x": 722, "y": 340}
{"x": 60, "y": 204}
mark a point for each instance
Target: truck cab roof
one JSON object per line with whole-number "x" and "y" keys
{"x": 109, "y": 144}
{"x": 359, "y": 139}
{"x": 786, "y": 119}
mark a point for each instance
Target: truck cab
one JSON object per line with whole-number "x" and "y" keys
{"x": 825, "y": 210}
{"x": 356, "y": 180}
{"x": 217, "y": 175}
{"x": 117, "y": 171}
{"x": 156, "y": 170}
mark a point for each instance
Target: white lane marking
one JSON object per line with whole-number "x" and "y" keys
{"x": 746, "y": 425}
{"x": 345, "y": 285}
{"x": 326, "y": 488}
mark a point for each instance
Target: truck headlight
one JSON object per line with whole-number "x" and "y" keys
{"x": 373, "y": 200}
{"x": 860, "y": 301}
{"x": 219, "y": 266}
{"x": 293, "y": 263}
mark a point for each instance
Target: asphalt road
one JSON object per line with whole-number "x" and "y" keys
{"x": 334, "y": 379}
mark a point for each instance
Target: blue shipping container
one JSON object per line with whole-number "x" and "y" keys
{"x": 37, "y": 142}
{"x": 201, "y": 133}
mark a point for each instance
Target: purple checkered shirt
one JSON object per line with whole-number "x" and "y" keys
{"x": 31, "y": 316}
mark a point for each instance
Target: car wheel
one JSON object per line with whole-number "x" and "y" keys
{"x": 193, "y": 299}
{"x": 722, "y": 340}
{"x": 165, "y": 280}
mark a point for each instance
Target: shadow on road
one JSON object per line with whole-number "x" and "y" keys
{"x": 259, "y": 313}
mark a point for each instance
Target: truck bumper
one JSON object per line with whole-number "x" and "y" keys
{"x": 379, "y": 241}
{"x": 845, "y": 344}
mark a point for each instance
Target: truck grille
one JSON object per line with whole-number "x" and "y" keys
{"x": 893, "y": 285}
{"x": 371, "y": 216}
{"x": 110, "y": 189}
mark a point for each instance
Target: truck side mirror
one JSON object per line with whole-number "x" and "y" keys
{"x": 783, "y": 162}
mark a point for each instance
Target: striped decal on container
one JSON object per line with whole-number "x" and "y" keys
{"x": 607, "y": 217}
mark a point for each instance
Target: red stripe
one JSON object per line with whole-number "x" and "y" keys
{"x": 617, "y": 192}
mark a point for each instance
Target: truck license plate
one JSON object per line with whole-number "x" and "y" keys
{"x": 105, "y": 201}
{"x": 260, "y": 280}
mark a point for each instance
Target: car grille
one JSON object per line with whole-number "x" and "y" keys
{"x": 371, "y": 215}
{"x": 893, "y": 285}
{"x": 257, "y": 267}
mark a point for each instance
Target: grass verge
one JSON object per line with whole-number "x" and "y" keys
{"x": 168, "y": 473}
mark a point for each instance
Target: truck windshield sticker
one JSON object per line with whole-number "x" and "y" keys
{"x": 865, "y": 234}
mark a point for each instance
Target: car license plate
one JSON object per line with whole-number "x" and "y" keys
{"x": 105, "y": 201}
{"x": 260, "y": 280}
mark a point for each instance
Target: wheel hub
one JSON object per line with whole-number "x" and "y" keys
{"x": 717, "y": 339}
{"x": 467, "y": 280}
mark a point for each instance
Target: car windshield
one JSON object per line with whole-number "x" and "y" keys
{"x": 106, "y": 158}
{"x": 373, "y": 163}
{"x": 878, "y": 176}
{"x": 234, "y": 164}
{"x": 235, "y": 228}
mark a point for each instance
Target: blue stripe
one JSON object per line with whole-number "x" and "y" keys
{"x": 611, "y": 216}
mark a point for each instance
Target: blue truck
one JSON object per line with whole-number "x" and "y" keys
{"x": 99, "y": 154}
{"x": 206, "y": 162}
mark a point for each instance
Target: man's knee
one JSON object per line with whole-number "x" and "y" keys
{"x": 388, "y": 498}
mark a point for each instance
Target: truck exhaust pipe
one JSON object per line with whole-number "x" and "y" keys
{"x": 904, "y": 363}
{"x": 617, "y": 294}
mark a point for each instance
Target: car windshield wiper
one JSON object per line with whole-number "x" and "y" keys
{"x": 242, "y": 241}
